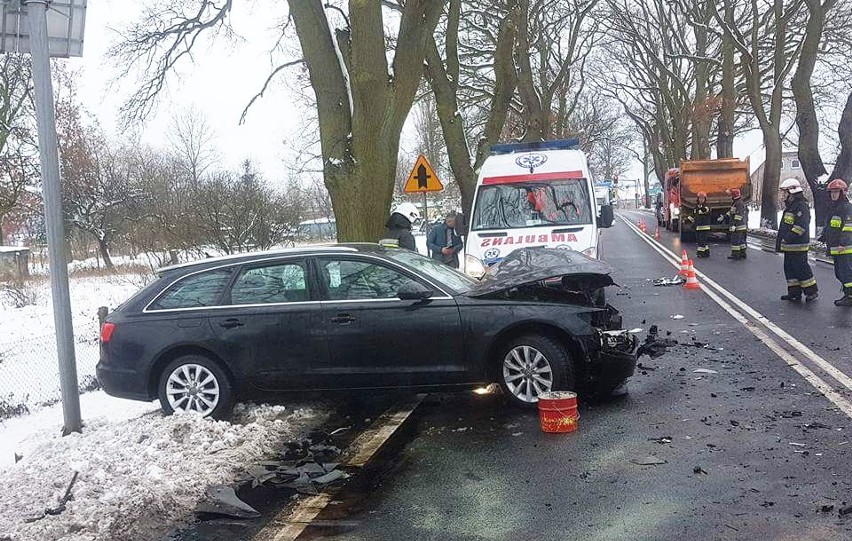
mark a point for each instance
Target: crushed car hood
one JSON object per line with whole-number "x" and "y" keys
{"x": 529, "y": 266}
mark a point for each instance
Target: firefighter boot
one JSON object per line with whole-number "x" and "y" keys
{"x": 846, "y": 300}
{"x": 792, "y": 296}
{"x": 810, "y": 297}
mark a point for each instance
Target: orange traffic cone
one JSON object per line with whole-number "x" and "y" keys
{"x": 684, "y": 264}
{"x": 657, "y": 233}
{"x": 691, "y": 278}
{"x": 643, "y": 226}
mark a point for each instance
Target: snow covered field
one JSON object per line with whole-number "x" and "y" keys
{"x": 28, "y": 365}
{"x": 140, "y": 472}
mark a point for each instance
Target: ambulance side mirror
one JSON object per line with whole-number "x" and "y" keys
{"x": 606, "y": 217}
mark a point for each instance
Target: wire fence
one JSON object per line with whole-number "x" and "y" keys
{"x": 29, "y": 370}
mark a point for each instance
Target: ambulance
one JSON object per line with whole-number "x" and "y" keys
{"x": 534, "y": 194}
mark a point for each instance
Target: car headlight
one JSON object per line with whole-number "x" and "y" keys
{"x": 591, "y": 252}
{"x": 473, "y": 267}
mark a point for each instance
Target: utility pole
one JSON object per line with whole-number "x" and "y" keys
{"x": 52, "y": 195}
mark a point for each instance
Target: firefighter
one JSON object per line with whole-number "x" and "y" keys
{"x": 794, "y": 241}
{"x": 837, "y": 236}
{"x": 701, "y": 220}
{"x": 737, "y": 217}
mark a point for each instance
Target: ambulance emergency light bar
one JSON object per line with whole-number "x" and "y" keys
{"x": 562, "y": 144}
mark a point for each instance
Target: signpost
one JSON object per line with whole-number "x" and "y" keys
{"x": 423, "y": 179}
{"x": 45, "y": 28}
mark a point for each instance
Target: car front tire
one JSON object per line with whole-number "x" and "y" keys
{"x": 194, "y": 383}
{"x": 532, "y": 364}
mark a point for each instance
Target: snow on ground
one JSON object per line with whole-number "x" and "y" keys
{"x": 28, "y": 361}
{"x": 138, "y": 477}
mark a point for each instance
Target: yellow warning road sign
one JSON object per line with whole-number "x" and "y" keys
{"x": 422, "y": 178}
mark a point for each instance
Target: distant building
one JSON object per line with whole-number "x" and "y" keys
{"x": 319, "y": 229}
{"x": 14, "y": 262}
{"x": 790, "y": 168}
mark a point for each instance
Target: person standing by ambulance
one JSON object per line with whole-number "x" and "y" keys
{"x": 837, "y": 236}
{"x": 794, "y": 241}
{"x": 701, "y": 220}
{"x": 737, "y": 217}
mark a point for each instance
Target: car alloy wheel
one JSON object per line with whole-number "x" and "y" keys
{"x": 192, "y": 387}
{"x": 527, "y": 373}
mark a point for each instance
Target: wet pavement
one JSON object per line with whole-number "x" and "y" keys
{"x": 749, "y": 449}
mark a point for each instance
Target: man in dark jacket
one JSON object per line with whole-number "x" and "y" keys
{"x": 794, "y": 241}
{"x": 444, "y": 243}
{"x": 738, "y": 219}
{"x": 701, "y": 220}
{"x": 837, "y": 236}
{"x": 399, "y": 227}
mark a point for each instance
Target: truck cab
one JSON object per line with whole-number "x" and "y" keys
{"x": 534, "y": 194}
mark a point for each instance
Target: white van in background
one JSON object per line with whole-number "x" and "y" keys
{"x": 533, "y": 194}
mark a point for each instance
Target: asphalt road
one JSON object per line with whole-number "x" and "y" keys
{"x": 751, "y": 451}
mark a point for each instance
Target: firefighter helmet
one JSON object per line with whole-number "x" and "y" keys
{"x": 408, "y": 210}
{"x": 791, "y": 185}
{"x": 838, "y": 184}
{"x": 735, "y": 193}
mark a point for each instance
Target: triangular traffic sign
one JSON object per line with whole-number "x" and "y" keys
{"x": 422, "y": 178}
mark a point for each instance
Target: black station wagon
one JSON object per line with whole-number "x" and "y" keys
{"x": 361, "y": 316}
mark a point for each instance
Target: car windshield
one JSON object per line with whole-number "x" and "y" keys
{"x": 447, "y": 276}
{"x": 505, "y": 206}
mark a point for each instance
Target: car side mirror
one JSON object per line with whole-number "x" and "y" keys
{"x": 413, "y": 291}
{"x": 607, "y": 216}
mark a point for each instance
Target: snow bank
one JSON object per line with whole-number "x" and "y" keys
{"x": 138, "y": 477}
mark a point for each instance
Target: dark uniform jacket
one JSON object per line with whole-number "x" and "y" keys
{"x": 399, "y": 228}
{"x": 838, "y": 228}
{"x": 794, "y": 232}
{"x": 701, "y": 217}
{"x": 738, "y": 216}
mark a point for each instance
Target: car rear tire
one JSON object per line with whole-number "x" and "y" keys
{"x": 198, "y": 384}
{"x": 532, "y": 364}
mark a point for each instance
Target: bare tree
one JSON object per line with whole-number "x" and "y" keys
{"x": 191, "y": 136}
{"x": 767, "y": 36}
{"x": 17, "y": 163}
{"x": 360, "y": 117}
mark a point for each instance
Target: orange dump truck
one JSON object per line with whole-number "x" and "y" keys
{"x": 713, "y": 177}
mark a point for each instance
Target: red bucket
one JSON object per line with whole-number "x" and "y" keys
{"x": 557, "y": 412}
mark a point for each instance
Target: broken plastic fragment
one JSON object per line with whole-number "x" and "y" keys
{"x": 704, "y": 371}
{"x": 222, "y": 500}
{"x": 648, "y": 461}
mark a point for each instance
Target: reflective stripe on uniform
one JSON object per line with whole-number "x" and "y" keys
{"x": 835, "y": 221}
{"x": 737, "y": 247}
{"x": 794, "y": 247}
{"x": 847, "y": 228}
{"x": 808, "y": 283}
{"x": 792, "y": 283}
{"x": 702, "y": 228}
{"x": 789, "y": 219}
{"x": 797, "y": 229}
{"x": 740, "y": 228}
{"x": 737, "y": 217}
{"x": 848, "y": 284}
{"x": 841, "y": 250}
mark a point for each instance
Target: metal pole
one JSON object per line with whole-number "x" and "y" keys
{"x": 52, "y": 194}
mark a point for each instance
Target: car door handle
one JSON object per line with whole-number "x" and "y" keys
{"x": 231, "y": 323}
{"x": 343, "y": 319}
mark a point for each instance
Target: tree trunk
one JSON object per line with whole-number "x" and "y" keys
{"x": 843, "y": 168}
{"x": 806, "y": 118}
{"x": 104, "y": 251}
{"x": 361, "y": 109}
{"x": 727, "y": 114}
{"x": 771, "y": 178}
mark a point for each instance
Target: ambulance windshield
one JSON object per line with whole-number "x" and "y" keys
{"x": 533, "y": 204}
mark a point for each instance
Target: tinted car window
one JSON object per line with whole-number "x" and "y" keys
{"x": 197, "y": 290}
{"x": 448, "y": 276}
{"x": 283, "y": 282}
{"x": 359, "y": 280}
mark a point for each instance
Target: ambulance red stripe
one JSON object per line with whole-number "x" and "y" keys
{"x": 512, "y": 179}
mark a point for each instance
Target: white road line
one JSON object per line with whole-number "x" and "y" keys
{"x": 818, "y": 383}
{"x": 288, "y": 525}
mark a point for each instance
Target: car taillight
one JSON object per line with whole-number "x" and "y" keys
{"x": 106, "y": 332}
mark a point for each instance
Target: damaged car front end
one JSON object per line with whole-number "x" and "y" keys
{"x": 558, "y": 292}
